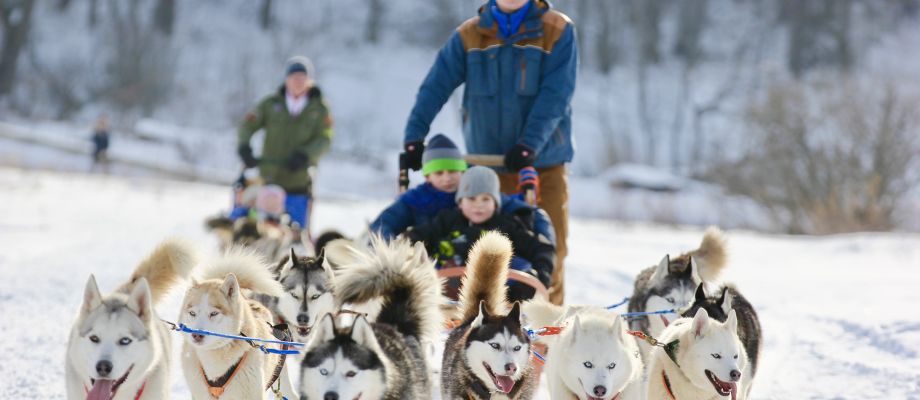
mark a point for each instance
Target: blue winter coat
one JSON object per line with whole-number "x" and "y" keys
{"x": 518, "y": 90}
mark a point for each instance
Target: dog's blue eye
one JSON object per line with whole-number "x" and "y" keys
{"x": 670, "y": 300}
{"x": 323, "y": 372}
{"x": 716, "y": 356}
{"x": 124, "y": 341}
{"x": 495, "y": 346}
{"x": 94, "y": 339}
{"x": 294, "y": 295}
{"x": 214, "y": 313}
{"x": 517, "y": 348}
{"x": 588, "y": 364}
{"x": 314, "y": 297}
{"x": 192, "y": 313}
{"x": 350, "y": 374}
{"x": 612, "y": 365}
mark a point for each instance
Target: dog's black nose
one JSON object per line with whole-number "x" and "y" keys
{"x": 510, "y": 368}
{"x": 600, "y": 391}
{"x": 104, "y": 368}
{"x": 735, "y": 375}
{"x": 303, "y": 319}
{"x": 331, "y": 396}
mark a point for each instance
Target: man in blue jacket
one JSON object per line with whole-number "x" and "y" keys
{"x": 518, "y": 60}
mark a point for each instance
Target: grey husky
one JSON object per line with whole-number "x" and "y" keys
{"x": 487, "y": 355}
{"x": 672, "y": 283}
{"x": 119, "y": 349}
{"x": 383, "y": 359}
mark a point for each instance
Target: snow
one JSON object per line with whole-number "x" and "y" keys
{"x": 838, "y": 312}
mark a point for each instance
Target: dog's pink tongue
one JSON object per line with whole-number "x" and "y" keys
{"x": 101, "y": 390}
{"x": 505, "y": 383}
{"x": 734, "y": 390}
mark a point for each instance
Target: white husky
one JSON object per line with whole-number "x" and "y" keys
{"x": 593, "y": 358}
{"x": 119, "y": 349}
{"x": 221, "y": 368}
{"x": 703, "y": 360}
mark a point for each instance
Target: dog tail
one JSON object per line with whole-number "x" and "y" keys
{"x": 539, "y": 313}
{"x": 711, "y": 256}
{"x": 169, "y": 264}
{"x": 325, "y": 238}
{"x": 251, "y": 270}
{"x": 403, "y": 277}
{"x": 340, "y": 252}
{"x": 486, "y": 274}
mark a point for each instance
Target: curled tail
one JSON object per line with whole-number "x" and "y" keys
{"x": 712, "y": 255}
{"x": 486, "y": 274}
{"x": 170, "y": 263}
{"x": 403, "y": 277}
{"x": 542, "y": 313}
{"x": 251, "y": 270}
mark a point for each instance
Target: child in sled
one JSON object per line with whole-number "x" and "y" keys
{"x": 451, "y": 234}
{"x": 442, "y": 166}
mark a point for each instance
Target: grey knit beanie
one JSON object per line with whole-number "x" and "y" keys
{"x": 478, "y": 180}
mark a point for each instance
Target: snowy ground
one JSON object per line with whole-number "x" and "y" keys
{"x": 839, "y": 313}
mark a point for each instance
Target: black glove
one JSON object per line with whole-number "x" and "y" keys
{"x": 245, "y": 153}
{"x": 520, "y": 156}
{"x": 296, "y": 161}
{"x": 414, "y": 151}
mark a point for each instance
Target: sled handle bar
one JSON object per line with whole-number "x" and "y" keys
{"x": 486, "y": 160}
{"x": 513, "y": 275}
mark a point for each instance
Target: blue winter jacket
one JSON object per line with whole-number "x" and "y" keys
{"x": 420, "y": 205}
{"x": 518, "y": 90}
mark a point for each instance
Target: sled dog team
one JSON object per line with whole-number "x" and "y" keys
{"x": 119, "y": 348}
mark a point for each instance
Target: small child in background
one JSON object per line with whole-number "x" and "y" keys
{"x": 450, "y": 235}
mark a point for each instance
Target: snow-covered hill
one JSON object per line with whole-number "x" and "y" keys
{"x": 839, "y": 313}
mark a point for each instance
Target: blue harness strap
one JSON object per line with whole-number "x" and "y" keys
{"x": 185, "y": 329}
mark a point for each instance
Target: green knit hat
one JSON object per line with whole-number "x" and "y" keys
{"x": 441, "y": 154}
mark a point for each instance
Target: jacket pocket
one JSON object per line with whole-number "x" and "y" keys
{"x": 482, "y": 69}
{"x": 528, "y": 80}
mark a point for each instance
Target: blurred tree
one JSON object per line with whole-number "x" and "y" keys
{"x": 164, "y": 16}
{"x": 16, "y": 18}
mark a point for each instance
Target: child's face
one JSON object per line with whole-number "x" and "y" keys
{"x": 445, "y": 181}
{"x": 478, "y": 208}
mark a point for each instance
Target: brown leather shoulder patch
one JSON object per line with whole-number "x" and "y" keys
{"x": 469, "y": 33}
{"x": 554, "y": 24}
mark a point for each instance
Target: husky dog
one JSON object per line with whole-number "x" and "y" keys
{"x": 593, "y": 358}
{"x": 672, "y": 283}
{"x": 383, "y": 359}
{"x": 216, "y": 367}
{"x": 119, "y": 349}
{"x": 487, "y": 355}
{"x": 307, "y": 285}
{"x": 703, "y": 360}
{"x": 718, "y": 309}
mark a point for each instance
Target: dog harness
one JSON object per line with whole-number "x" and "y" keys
{"x": 140, "y": 392}
{"x": 216, "y": 388}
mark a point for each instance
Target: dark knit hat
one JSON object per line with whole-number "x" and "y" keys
{"x": 299, "y": 64}
{"x": 441, "y": 154}
{"x": 478, "y": 180}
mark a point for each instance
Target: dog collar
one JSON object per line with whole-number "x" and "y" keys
{"x": 480, "y": 390}
{"x": 667, "y": 385}
{"x": 216, "y": 388}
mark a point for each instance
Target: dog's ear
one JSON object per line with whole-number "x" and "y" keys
{"x": 515, "y": 313}
{"x": 324, "y": 330}
{"x": 139, "y": 300}
{"x": 419, "y": 252}
{"x": 575, "y": 328}
{"x": 732, "y": 322}
{"x": 661, "y": 270}
{"x": 483, "y": 314}
{"x": 281, "y": 265}
{"x": 617, "y": 328}
{"x": 700, "y": 322}
{"x": 231, "y": 287}
{"x": 700, "y": 293}
{"x": 695, "y": 271}
{"x": 91, "y": 296}
{"x": 726, "y": 301}
{"x": 293, "y": 257}
{"x": 362, "y": 333}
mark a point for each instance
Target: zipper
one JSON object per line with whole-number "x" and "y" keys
{"x": 523, "y": 71}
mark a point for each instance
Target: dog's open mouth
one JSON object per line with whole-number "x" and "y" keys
{"x": 504, "y": 383}
{"x": 722, "y": 388}
{"x": 664, "y": 320}
{"x": 104, "y": 389}
{"x": 304, "y": 330}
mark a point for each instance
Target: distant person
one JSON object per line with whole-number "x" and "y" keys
{"x": 100, "y": 140}
{"x": 517, "y": 60}
{"x": 298, "y": 130}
